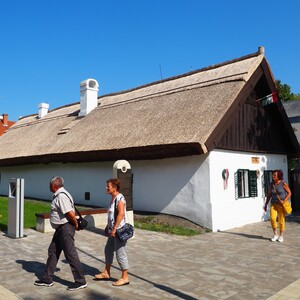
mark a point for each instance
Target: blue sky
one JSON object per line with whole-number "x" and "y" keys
{"x": 49, "y": 46}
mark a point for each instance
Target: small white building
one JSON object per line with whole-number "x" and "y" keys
{"x": 200, "y": 144}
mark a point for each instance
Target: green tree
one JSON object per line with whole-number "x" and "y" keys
{"x": 285, "y": 93}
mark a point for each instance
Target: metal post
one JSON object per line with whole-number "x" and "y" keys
{"x": 15, "y": 226}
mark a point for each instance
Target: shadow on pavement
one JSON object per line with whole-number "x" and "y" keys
{"x": 249, "y": 236}
{"x": 159, "y": 286}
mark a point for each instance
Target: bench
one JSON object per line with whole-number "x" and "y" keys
{"x": 96, "y": 217}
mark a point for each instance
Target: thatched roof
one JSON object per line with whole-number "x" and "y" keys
{"x": 168, "y": 118}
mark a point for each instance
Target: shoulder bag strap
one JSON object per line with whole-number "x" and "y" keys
{"x": 78, "y": 213}
{"x": 116, "y": 209}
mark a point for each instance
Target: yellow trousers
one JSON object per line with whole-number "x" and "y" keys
{"x": 276, "y": 210}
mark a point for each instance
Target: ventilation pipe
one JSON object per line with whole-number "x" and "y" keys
{"x": 88, "y": 96}
{"x": 43, "y": 110}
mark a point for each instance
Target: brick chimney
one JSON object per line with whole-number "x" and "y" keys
{"x": 88, "y": 96}
{"x": 5, "y": 119}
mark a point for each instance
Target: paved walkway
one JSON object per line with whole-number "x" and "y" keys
{"x": 238, "y": 264}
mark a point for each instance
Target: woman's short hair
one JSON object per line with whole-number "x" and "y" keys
{"x": 279, "y": 174}
{"x": 115, "y": 182}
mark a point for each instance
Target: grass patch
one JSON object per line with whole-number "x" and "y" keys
{"x": 31, "y": 207}
{"x": 178, "y": 230}
{"x": 149, "y": 223}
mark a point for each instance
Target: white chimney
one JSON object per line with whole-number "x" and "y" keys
{"x": 43, "y": 110}
{"x": 261, "y": 50}
{"x": 88, "y": 96}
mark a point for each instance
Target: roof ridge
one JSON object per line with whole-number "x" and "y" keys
{"x": 51, "y": 110}
{"x": 38, "y": 121}
{"x": 174, "y": 90}
{"x": 211, "y": 67}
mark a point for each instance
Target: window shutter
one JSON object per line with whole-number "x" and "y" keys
{"x": 236, "y": 185}
{"x": 252, "y": 184}
{"x": 239, "y": 184}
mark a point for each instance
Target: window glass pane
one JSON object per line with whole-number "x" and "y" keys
{"x": 246, "y": 183}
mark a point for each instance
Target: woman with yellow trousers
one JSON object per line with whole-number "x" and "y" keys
{"x": 279, "y": 192}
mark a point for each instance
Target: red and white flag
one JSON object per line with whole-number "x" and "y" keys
{"x": 272, "y": 98}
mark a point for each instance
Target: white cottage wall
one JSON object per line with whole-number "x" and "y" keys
{"x": 227, "y": 211}
{"x": 177, "y": 186}
{"x": 78, "y": 178}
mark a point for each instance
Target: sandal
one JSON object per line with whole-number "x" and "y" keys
{"x": 121, "y": 282}
{"x": 102, "y": 276}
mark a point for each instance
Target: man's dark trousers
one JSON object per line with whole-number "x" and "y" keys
{"x": 63, "y": 240}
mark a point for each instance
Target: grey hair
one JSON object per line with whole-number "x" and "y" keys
{"x": 58, "y": 181}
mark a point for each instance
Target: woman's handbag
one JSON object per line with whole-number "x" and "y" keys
{"x": 125, "y": 232}
{"x": 287, "y": 208}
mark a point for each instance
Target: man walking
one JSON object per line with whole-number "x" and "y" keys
{"x": 63, "y": 220}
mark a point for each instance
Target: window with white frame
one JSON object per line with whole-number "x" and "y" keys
{"x": 245, "y": 183}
